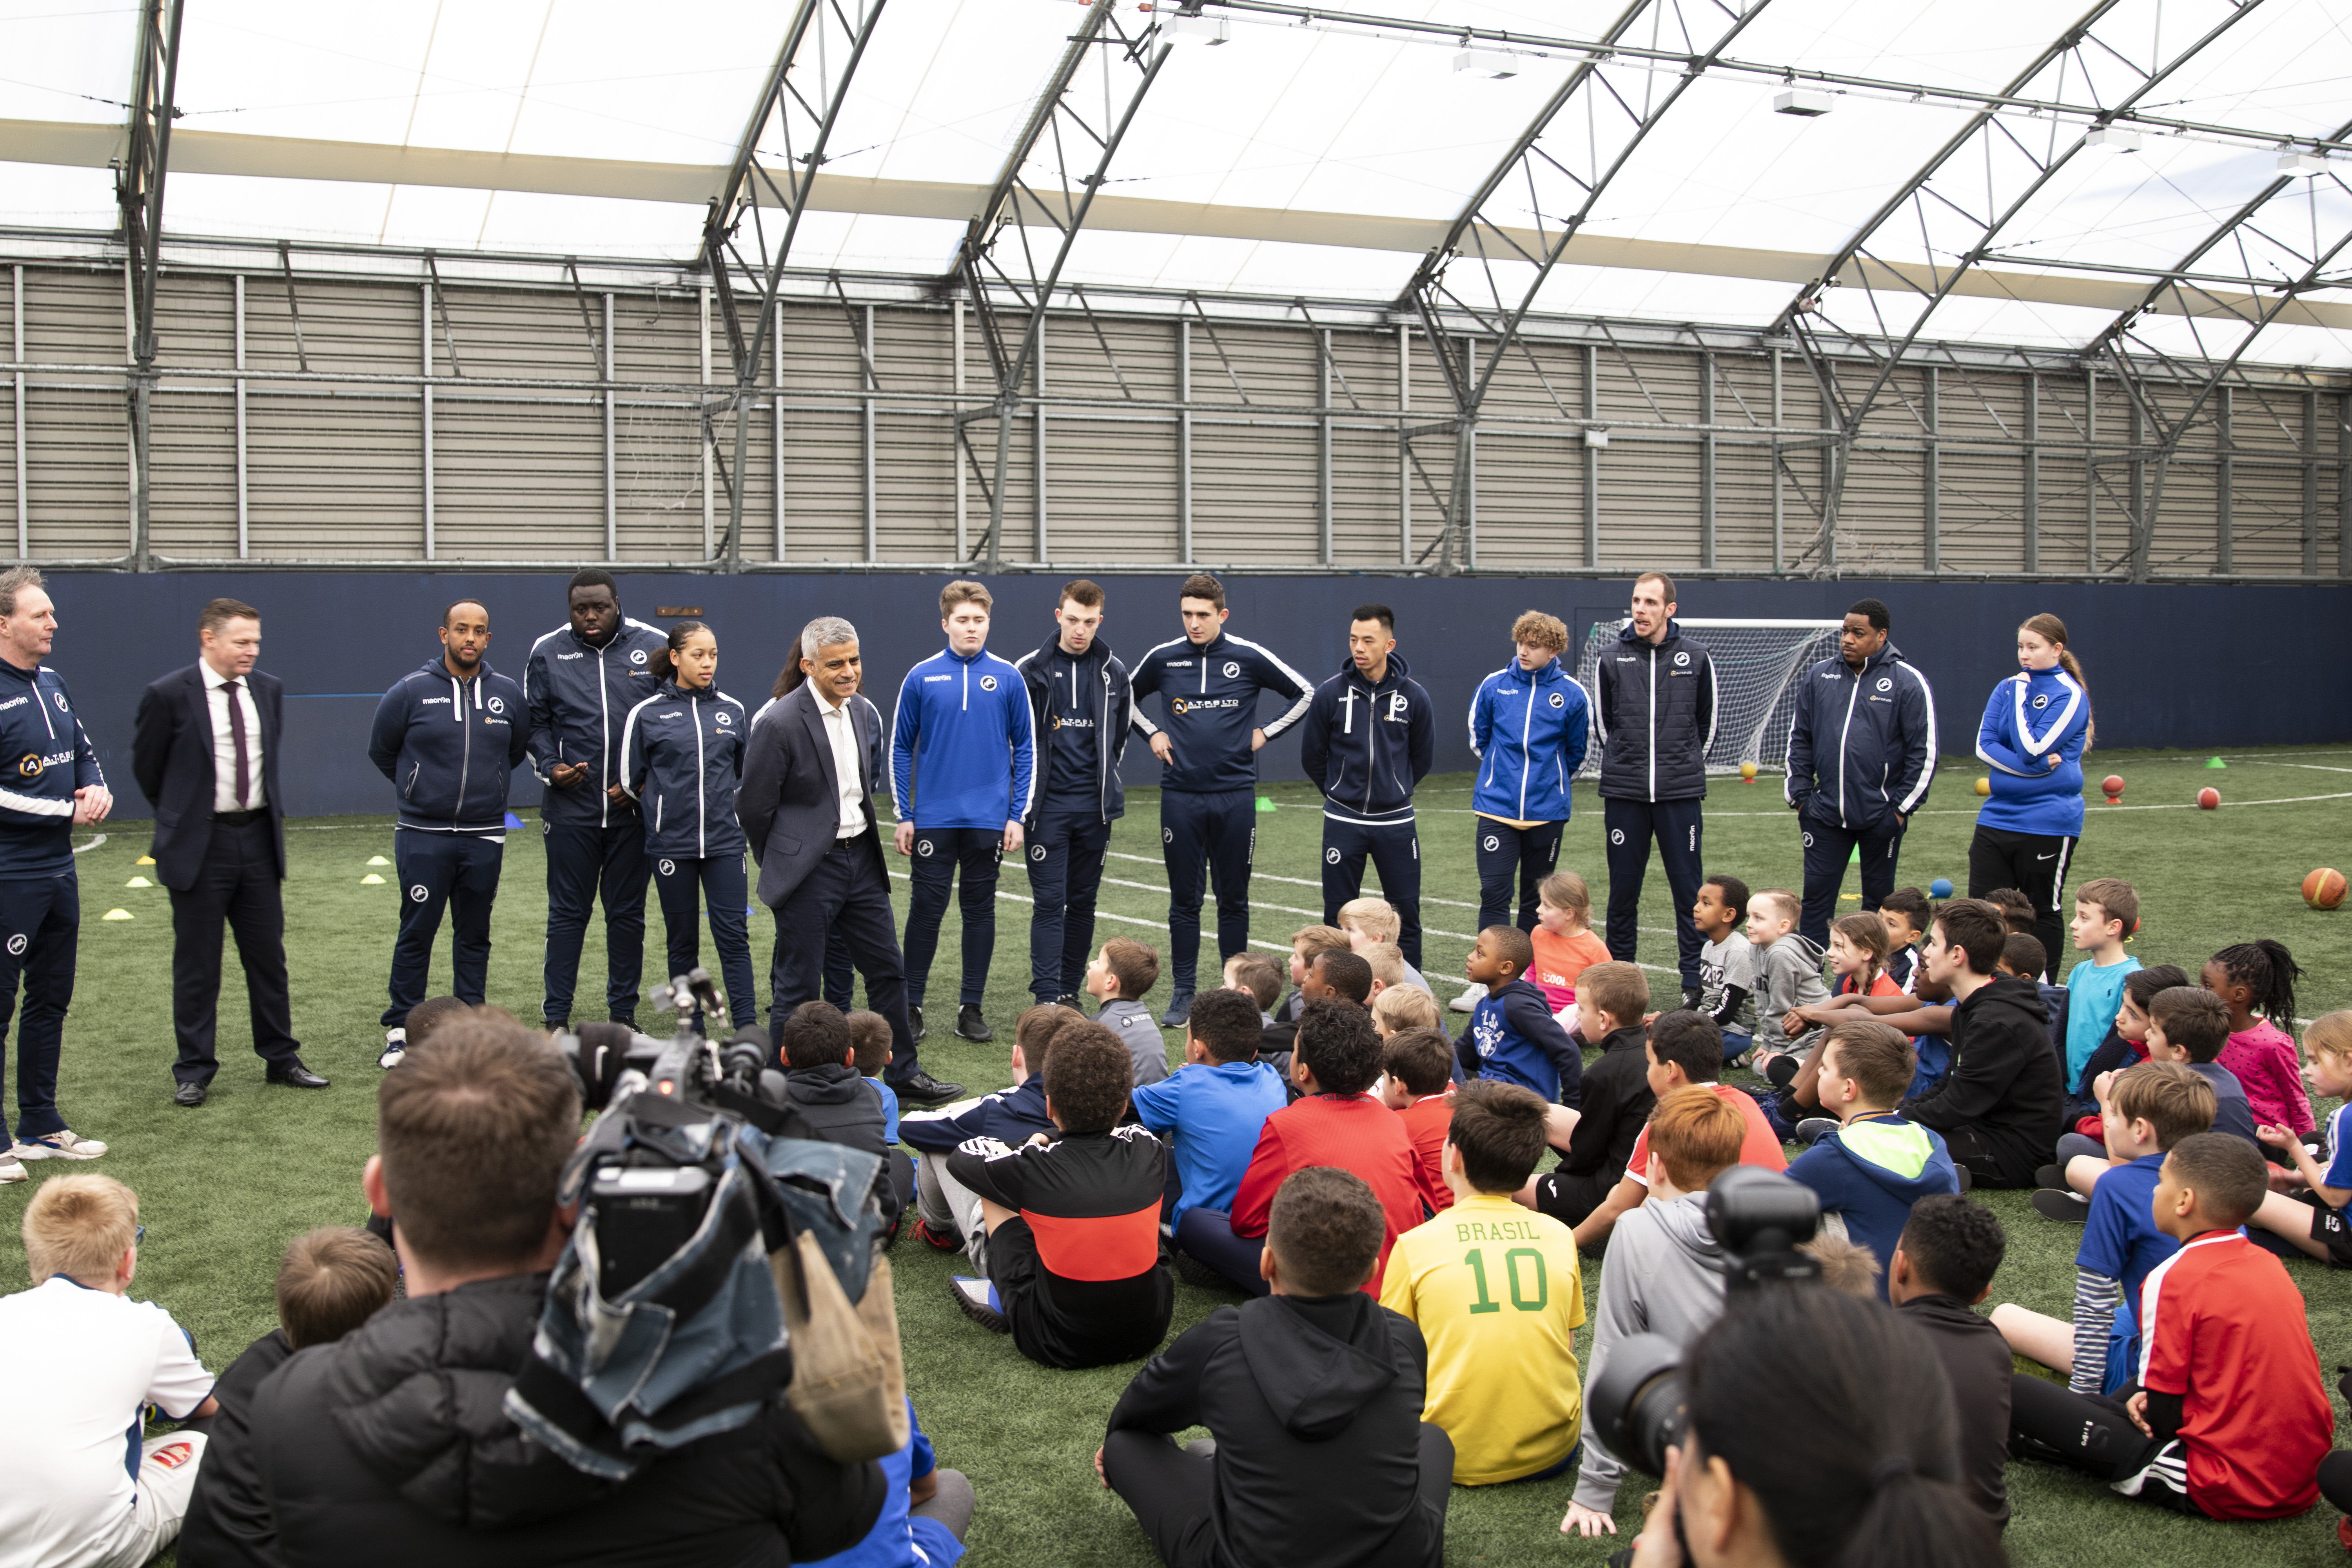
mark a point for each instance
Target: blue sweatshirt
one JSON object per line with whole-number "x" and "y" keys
{"x": 1212, "y": 1112}
{"x": 1512, "y": 1036}
{"x": 450, "y": 747}
{"x": 578, "y": 697}
{"x": 54, "y": 758}
{"x": 2031, "y": 717}
{"x": 963, "y": 747}
{"x": 1872, "y": 1171}
{"x": 1529, "y": 733}
{"x": 681, "y": 758}
{"x": 1366, "y": 746}
{"x": 1210, "y": 697}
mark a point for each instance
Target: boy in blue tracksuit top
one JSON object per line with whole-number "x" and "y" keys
{"x": 1209, "y": 682}
{"x": 1213, "y": 1108}
{"x": 1370, "y": 738}
{"x": 1530, "y": 725}
{"x": 1512, "y": 1035}
{"x": 449, "y": 737}
{"x": 1877, "y": 1164}
{"x": 681, "y": 758}
{"x": 962, "y": 773}
{"x": 2036, "y": 727}
{"x": 54, "y": 783}
{"x": 1862, "y": 753}
{"x": 578, "y": 684}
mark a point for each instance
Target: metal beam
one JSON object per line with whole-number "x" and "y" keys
{"x": 139, "y": 193}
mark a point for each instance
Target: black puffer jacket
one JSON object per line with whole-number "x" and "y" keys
{"x": 1655, "y": 712}
{"x": 2004, "y": 1082}
{"x": 393, "y": 1446}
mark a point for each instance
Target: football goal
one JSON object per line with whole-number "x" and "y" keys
{"x": 1757, "y": 667}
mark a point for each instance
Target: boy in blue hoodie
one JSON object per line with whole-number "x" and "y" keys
{"x": 1877, "y": 1164}
{"x": 1512, "y": 1034}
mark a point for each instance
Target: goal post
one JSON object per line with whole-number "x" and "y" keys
{"x": 1757, "y": 667}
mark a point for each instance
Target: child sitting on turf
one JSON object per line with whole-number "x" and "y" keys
{"x": 1727, "y": 963}
{"x": 2230, "y": 1419}
{"x": 1905, "y": 912}
{"x": 2185, "y": 1026}
{"x": 1417, "y": 1083}
{"x": 1876, "y": 1163}
{"x": 1387, "y": 966}
{"x": 1331, "y": 976}
{"x": 1666, "y": 1268}
{"x": 1313, "y": 1399}
{"x": 1257, "y": 974}
{"x": 1512, "y": 1035}
{"x": 821, "y": 1082}
{"x": 1117, "y": 979}
{"x": 1678, "y": 1054}
{"x": 2125, "y": 1045}
{"x": 1998, "y": 1103}
{"x": 330, "y": 1281}
{"x": 1306, "y": 944}
{"x": 869, "y": 1032}
{"x": 1209, "y": 1108}
{"x": 1076, "y": 1271}
{"x": 926, "y": 1511}
{"x": 1373, "y": 923}
{"x": 2151, "y": 1108}
{"x": 948, "y": 1212}
{"x": 2311, "y": 1214}
{"x": 1403, "y": 1007}
{"x": 2016, "y": 911}
{"x": 1333, "y": 1122}
{"x": 1788, "y": 975}
{"x": 1943, "y": 1267}
{"x": 2258, "y": 978}
{"x": 2021, "y": 959}
{"x": 2106, "y": 913}
{"x": 1597, "y": 1139}
{"x": 1502, "y": 1384}
{"x": 1563, "y": 940}
{"x": 1858, "y": 957}
{"x": 83, "y": 1485}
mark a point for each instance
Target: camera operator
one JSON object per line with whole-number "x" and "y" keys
{"x": 393, "y": 1445}
{"x": 1843, "y": 1455}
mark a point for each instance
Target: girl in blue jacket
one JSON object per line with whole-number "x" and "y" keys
{"x": 681, "y": 757}
{"x": 1529, "y": 726}
{"x": 2037, "y": 726}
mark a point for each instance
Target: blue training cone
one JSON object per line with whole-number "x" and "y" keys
{"x": 514, "y": 823}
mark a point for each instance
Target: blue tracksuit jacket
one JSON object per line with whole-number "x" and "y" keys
{"x": 1513, "y": 1036}
{"x": 1529, "y": 733}
{"x": 2029, "y": 717}
{"x": 681, "y": 757}
{"x": 450, "y": 747}
{"x": 1863, "y": 744}
{"x": 1367, "y": 746}
{"x": 1209, "y": 694}
{"x": 578, "y": 697}
{"x": 963, "y": 748}
{"x": 51, "y": 758}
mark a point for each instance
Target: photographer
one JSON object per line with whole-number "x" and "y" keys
{"x": 394, "y": 1446}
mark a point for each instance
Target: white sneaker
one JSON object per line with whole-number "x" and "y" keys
{"x": 1469, "y": 999}
{"x": 395, "y": 1044}
{"x": 63, "y": 1145}
{"x": 11, "y": 1169}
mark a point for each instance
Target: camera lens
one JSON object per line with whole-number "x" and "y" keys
{"x": 1636, "y": 1402}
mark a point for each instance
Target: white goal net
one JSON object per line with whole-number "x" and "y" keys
{"x": 1757, "y": 666}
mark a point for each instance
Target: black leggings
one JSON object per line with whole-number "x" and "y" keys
{"x": 2095, "y": 1435}
{"x": 2035, "y": 863}
{"x": 1171, "y": 1490}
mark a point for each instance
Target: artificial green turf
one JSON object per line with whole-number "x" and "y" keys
{"x": 223, "y": 1188}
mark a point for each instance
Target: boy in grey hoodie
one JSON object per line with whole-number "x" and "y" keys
{"x": 1117, "y": 978}
{"x": 1788, "y": 974}
{"x": 1665, "y": 1270}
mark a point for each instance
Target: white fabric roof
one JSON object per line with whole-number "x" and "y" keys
{"x": 1280, "y": 121}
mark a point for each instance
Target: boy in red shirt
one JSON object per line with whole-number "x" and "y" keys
{"x": 1417, "y": 1083}
{"x": 2227, "y": 1417}
{"x": 1334, "y": 1123}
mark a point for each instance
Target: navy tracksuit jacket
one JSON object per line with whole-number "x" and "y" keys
{"x": 1367, "y": 745}
{"x": 681, "y": 756}
{"x": 1082, "y": 710}
{"x": 48, "y": 757}
{"x": 1862, "y": 753}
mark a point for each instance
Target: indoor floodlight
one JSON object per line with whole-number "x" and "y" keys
{"x": 1210, "y": 30}
{"x": 1595, "y": 438}
{"x": 1803, "y": 101}
{"x": 2114, "y": 138}
{"x": 1486, "y": 62}
{"x": 2297, "y": 161}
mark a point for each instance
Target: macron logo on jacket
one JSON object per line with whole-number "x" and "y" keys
{"x": 963, "y": 746}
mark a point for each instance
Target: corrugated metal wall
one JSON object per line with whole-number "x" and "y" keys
{"x": 454, "y": 420}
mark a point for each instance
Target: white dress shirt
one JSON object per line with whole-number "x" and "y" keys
{"x": 217, "y": 700}
{"x": 841, "y": 728}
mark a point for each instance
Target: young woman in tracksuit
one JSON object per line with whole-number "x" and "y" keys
{"x": 1529, "y": 726}
{"x": 681, "y": 757}
{"x": 2037, "y": 726}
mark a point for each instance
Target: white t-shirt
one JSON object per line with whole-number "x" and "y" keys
{"x": 77, "y": 1364}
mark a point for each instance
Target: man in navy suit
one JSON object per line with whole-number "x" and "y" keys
{"x": 806, "y": 803}
{"x": 205, "y": 756}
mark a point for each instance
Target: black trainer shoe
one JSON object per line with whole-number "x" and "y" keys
{"x": 1194, "y": 1272}
{"x": 2051, "y": 1178}
{"x": 919, "y": 1088}
{"x": 1813, "y": 1128}
{"x": 1067, "y": 1000}
{"x": 1180, "y": 1008}
{"x": 1691, "y": 994}
{"x": 971, "y": 1026}
{"x": 2064, "y": 1207}
{"x": 979, "y": 1301}
{"x": 915, "y": 1020}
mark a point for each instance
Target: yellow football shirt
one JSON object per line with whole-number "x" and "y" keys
{"x": 1495, "y": 1290}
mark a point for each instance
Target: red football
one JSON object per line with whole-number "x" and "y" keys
{"x": 2112, "y": 783}
{"x": 2323, "y": 888}
{"x": 2208, "y": 798}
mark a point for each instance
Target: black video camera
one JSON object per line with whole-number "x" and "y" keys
{"x": 1758, "y": 1218}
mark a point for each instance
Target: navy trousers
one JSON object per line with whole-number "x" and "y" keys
{"x": 1827, "y": 848}
{"x": 939, "y": 853}
{"x": 236, "y": 888}
{"x": 840, "y": 973}
{"x": 1211, "y": 832}
{"x": 1066, "y": 871}
{"x": 1527, "y": 854}
{"x": 846, "y": 894}
{"x": 1394, "y": 850}
{"x": 458, "y": 871}
{"x": 1629, "y": 826}
{"x": 584, "y": 861}
{"x": 40, "y": 924}
{"x": 684, "y": 887}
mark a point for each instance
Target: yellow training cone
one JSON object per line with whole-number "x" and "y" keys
{"x": 378, "y": 860}
{"x": 139, "y": 882}
{"x": 116, "y": 915}
{"x": 371, "y": 880}
{"x": 144, "y": 860}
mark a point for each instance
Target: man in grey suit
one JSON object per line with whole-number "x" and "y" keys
{"x": 806, "y": 803}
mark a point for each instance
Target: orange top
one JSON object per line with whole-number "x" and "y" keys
{"x": 1560, "y": 960}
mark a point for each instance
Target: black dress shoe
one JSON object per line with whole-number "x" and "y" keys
{"x": 189, "y": 1094}
{"x": 919, "y": 1088}
{"x": 971, "y": 1026}
{"x": 915, "y": 1021}
{"x": 294, "y": 1075}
